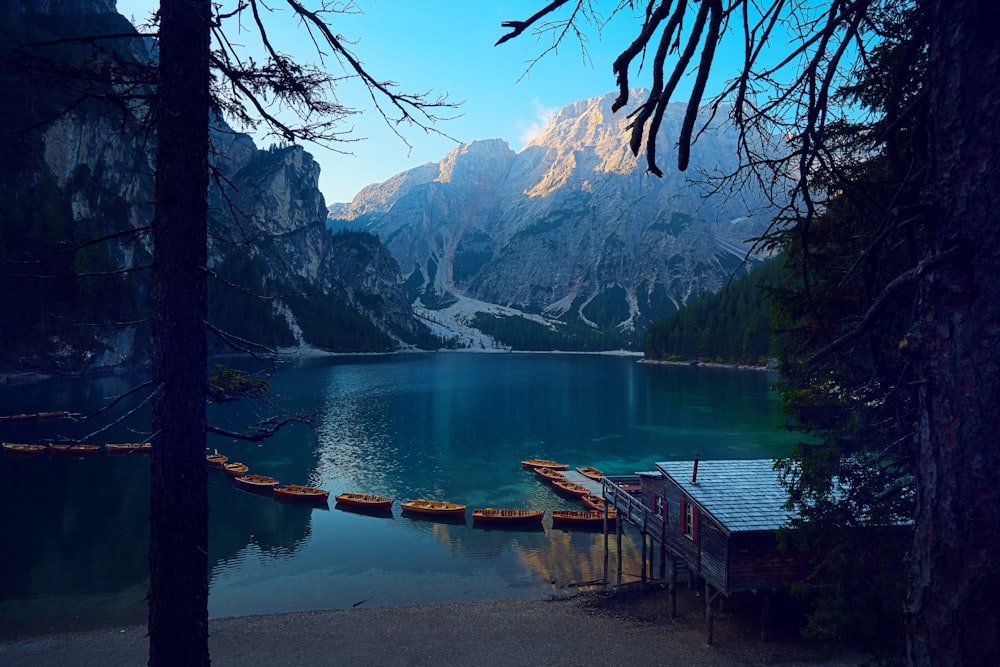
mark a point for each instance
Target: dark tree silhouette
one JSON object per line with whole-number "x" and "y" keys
{"x": 178, "y": 540}
{"x": 951, "y": 613}
{"x": 178, "y": 597}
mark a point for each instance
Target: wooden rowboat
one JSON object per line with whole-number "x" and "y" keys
{"x": 83, "y": 450}
{"x": 235, "y": 468}
{"x": 299, "y": 493}
{"x": 59, "y": 448}
{"x": 20, "y": 448}
{"x": 570, "y": 488}
{"x": 256, "y": 483}
{"x": 433, "y": 507}
{"x": 543, "y": 463}
{"x": 127, "y": 447}
{"x": 592, "y": 473}
{"x": 24, "y": 416}
{"x": 581, "y": 517}
{"x": 550, "y": 475}
{"x": 507, "y": 516}
{"x": 365, "y": 501}
{"x": 218, "y": 460}
{"x": 593, "y": 502}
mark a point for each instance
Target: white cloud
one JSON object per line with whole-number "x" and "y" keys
{"x": 543, "y": 115}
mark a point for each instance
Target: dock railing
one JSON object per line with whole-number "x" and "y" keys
{"x": 623, "y": 492}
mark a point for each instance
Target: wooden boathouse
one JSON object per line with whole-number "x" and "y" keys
{"x": 718, "y": 520}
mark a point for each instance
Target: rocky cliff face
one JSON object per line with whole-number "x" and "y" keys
{"x": 571, "y": 227}
{"x": 280, "y": 276}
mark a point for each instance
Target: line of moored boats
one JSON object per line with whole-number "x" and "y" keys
{"x": 74, "y": 448}
{"x": 550, "y": 472}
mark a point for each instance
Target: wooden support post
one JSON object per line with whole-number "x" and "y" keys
{"x": 663, "y": 560}
{"x": 765, "y": 615}
{"x": 709, "y": 615}
{"x": 643, "y": 557}
{"x": 618, "y": 531}
{"x": 673, "y": 587}
{"x": 652, "y": 557}
{"x": 606, "y": 503}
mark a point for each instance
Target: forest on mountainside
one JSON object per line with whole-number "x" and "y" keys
{"x": 731, "y": 326}
{"x": 76, "y": 188}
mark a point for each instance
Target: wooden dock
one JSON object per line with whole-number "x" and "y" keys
{"x": 577, "y": 477}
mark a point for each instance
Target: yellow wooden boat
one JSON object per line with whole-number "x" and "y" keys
{"x": 549, "y": 475}
{"x": 588, "y": 518}
{"x": 24, "y": 416}
{"x": 433, "y": 507}
{"x": 593, "y": 502}
{"x": 570, "y": 488}
{"x": 22, "y": 448}
{"x": 236, "y": 468}
{"x": 81, "y": 449}
{"x": 218, "y": 460}
{"x": 544, "y": 463}
{"x": 54, "y": 414}
{"x": 256, "y": 483}
{"x": 592, "y": 473}
{"x": 299, "y": 493}
{"x": 127, "y": 447}
{"x": 507, "y": 516}
{"x": 365, "y": 501}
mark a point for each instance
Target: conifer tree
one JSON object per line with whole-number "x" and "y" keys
{"x": 942, "y": 211}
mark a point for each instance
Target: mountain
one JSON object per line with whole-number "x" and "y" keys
{"x": 570, "y": 235}
{"x": 76, "y": 192}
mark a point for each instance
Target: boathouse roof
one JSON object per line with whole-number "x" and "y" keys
{"x": 741, "y": 495}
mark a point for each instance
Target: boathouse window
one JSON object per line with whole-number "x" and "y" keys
{"x": 689, "y": 520}
{"x": 657, "y": 504}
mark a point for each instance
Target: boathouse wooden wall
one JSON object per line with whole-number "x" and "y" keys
{"x": 756, "y": 562}
{"x": 730, "y": 562}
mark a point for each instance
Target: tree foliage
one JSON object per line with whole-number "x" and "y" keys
{"x": 203, "y": 70}
{"x": 730, "y": 326}
{"x": 847, "y": 377}
{"x": 894, "y": 233}
{"x": 522, "y": 333}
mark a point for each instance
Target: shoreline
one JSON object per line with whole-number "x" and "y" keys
{"x": 708, "y": 364}
{"x": 618, "y": 628}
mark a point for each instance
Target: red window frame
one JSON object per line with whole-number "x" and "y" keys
{"x": 690, "y": 517}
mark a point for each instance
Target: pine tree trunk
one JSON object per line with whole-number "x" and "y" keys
{"x": 952, "y": 612}
{"x": 178, "y": 561}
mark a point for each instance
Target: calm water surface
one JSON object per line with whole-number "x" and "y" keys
{"x": 450, "y": 426}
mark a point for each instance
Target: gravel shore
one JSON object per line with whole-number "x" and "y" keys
{"x": 607, "y": 629}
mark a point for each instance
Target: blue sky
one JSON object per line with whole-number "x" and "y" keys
{"x": 445, "y": 46}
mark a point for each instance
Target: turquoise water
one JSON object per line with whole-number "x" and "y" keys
{"x": 451, "y": 426}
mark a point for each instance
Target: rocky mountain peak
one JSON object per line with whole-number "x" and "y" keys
{"x": 477, "y": 163}
{"x": 571, "y": 227}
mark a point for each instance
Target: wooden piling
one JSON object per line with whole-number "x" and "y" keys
{"x": 618, "y": 531}
{"x": 673, "y": 587}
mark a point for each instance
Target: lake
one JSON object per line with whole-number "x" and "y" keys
{"x": 449, "y": 426}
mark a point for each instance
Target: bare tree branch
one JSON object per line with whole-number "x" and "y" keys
{"x": 260, "y": 433}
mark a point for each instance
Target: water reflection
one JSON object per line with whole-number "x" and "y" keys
{"x": 240, "y": 518}
{"x": 442, "y": 426}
